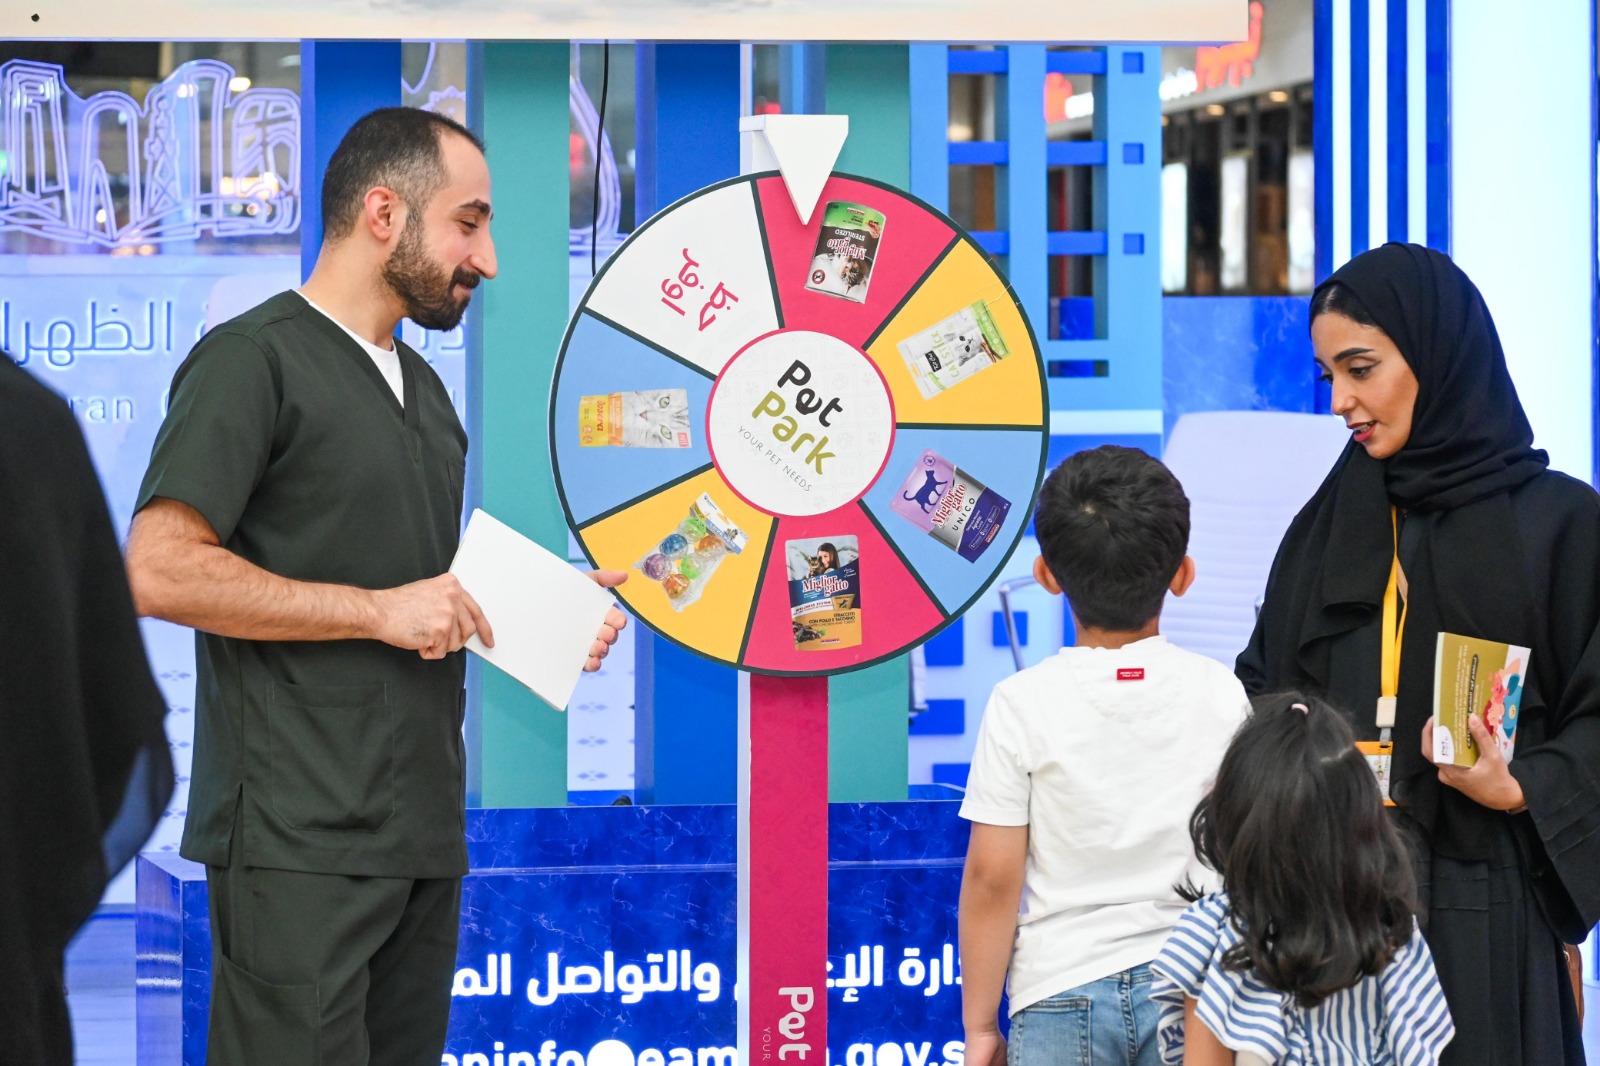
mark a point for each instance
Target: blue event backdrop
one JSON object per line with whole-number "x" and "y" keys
{"x": 605, "y": 936}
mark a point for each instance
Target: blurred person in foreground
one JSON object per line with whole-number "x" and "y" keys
{"x": 85, "y": 771}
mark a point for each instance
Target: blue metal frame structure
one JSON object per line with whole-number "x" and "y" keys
{"x": 1117, "y": 372}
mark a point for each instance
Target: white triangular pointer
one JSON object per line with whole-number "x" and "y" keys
{"x": 803, "y": 148}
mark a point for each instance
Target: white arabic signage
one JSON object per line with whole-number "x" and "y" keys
{"x": 677, "y": 971}
{"x": 1087, "y": 21}
{"x": 661, "y": 971}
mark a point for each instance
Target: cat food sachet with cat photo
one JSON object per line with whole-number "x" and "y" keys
{"x": 847, "y": 246}
{"x": 825, "y": 592}
{"x": 953, "y": 507}
{"x": 646, "y": 418}
{"x": 954, "y": 349}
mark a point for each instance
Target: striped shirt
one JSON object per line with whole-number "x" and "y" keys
{"x": 1398, "y": 1017}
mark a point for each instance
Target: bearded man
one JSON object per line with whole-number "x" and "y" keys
{"x": 301, "y": 509}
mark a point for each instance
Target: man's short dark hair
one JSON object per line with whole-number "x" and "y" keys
{"x": 1113, "y": 527}
{"x": 395, "y": 147}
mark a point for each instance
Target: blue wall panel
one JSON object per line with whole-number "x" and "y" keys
{"x": 1115, "y": 362}
{"x": 339, "y": 82}
{"x": 944, "y": 717}
{"x": 1237, "y": 353}
{"x": 997, "y": 628}
{"x": 947, "y": 649}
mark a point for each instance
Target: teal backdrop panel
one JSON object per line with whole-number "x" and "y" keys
{"x": 869, "y": 710}
{"x": 521, "y": 756}
{"x": 872, "y": 84}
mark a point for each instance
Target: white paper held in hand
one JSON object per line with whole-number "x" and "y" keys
{"x": 544, "y": 612}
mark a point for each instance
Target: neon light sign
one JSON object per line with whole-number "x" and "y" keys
{"x": 200, "y": 158}
{"x": 586, "y": 118}
{"x": 1231, "y": 63}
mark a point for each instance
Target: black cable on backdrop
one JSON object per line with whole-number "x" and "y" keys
{"x": 599, "y": 141}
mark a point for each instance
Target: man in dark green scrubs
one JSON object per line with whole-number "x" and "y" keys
{"x": 301, "y": 509}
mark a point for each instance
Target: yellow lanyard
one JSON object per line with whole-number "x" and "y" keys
{"x": 1394, "y": 629}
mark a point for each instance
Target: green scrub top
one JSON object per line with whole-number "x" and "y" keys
{"x": 344, "y": 756}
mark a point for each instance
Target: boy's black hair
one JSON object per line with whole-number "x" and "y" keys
{"x": 1319, "y": 881}
{"x": 1113, "y": 527}
{"x": 395, "y": 147}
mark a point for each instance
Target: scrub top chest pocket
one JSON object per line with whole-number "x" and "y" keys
{"x": 332, "y": 754}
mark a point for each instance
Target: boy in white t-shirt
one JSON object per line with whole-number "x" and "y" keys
{"x": 1086, "y": 770}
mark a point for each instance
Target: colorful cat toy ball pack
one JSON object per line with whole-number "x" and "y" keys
{"x": 685, "y": 558}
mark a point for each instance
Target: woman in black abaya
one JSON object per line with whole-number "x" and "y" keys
{"x": 84, "y": 765}
{"x": 1492, "y": 544}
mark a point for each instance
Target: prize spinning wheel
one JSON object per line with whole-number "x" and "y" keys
{"x": 812, "y": 446}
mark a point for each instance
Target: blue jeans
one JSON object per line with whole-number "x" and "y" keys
{"x": 1109, "y": 1022}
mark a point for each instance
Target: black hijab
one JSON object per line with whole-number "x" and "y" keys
{"x": 1470, "y": 445}
{"x": 1469, "y": 436}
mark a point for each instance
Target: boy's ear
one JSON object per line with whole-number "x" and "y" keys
{"x": 1042, "y": 574}
{"x": 1184, "y": 577}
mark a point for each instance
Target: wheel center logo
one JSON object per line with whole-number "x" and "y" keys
{"x": 800, "y": 423}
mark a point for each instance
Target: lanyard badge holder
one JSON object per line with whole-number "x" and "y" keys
{"x": 1380, "y": 753}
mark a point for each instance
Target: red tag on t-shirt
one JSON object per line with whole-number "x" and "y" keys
{"x": 1131, "y": 674}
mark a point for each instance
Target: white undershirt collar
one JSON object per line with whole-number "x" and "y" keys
{"x": 387, "y": 359}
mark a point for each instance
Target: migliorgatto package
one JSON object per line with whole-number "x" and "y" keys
{"x": 954, "y": 349}
{"x": 684, "y": 560}
{"x": 847, "y": 246}
{"x": 825, "y": 592}
{"x": 646, "y": 418}
{"x": 957, "y": 509}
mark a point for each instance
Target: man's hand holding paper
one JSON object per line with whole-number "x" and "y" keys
{"x": 551, "y": 622}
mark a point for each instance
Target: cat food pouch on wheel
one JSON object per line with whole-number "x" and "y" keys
{"x": 645, "y": 418}
{"x": 952, "y": 350}
{"x": 825, "y": 592}
{"x": 952, "y": 506}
